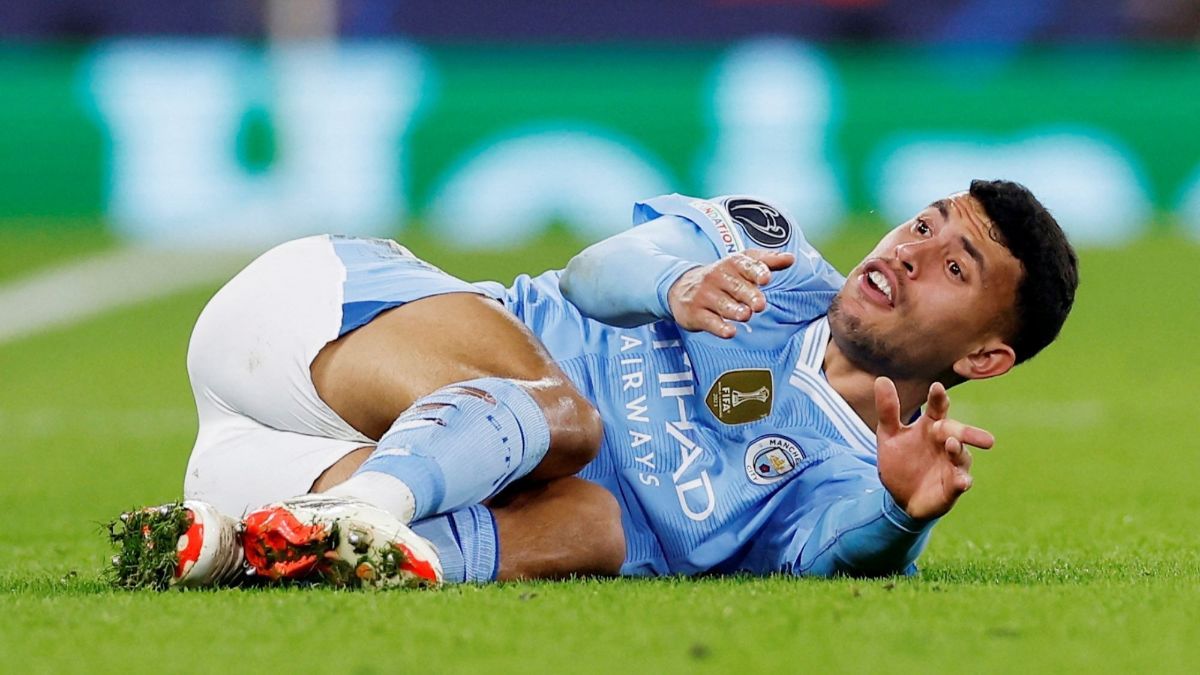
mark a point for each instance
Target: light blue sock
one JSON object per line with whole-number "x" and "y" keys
{"x": 452, "y": 449}
{"x": 466, "y": 542}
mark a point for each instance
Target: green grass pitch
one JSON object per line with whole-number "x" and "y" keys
{"x": 1077, "y": 551}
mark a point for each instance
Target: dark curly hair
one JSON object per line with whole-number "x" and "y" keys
{"x": 1050, "y": 268}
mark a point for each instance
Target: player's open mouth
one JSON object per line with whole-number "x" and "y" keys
{"x": 878, "y": 286}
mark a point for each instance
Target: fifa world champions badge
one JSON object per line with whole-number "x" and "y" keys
{"x": 741, "y": 396}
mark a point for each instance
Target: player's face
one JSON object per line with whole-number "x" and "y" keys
{"x": 934, "y": 289}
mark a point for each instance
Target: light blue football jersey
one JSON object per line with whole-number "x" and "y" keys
{"x": 728, "y": 455}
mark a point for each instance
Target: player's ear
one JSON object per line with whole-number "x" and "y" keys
{"x": 990, "y": 359}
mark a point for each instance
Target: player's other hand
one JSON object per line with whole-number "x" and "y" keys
{"x": 710, "y": 297}
{"x": 925, "y": 465}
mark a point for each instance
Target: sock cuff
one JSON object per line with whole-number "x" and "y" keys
{"x": 481, "y": 550}
{"x": 441, "y": 532}
{"x": 467, "y": 543}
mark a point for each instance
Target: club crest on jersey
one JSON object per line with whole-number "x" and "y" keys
{"x": 770, "y": 458}
{"x": 764, "y": 224}
{"x": 741, "y": 396}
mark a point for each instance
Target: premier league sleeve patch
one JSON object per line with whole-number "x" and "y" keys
{"x": 770, "y": 458}
{"x": 762, "y": 223}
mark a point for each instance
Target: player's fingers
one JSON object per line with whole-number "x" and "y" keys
{"x": 976, "y": 437}
{"x": 718, "y": 301}
{"x": 958, "y": 454}
{"x": 711, "y": 322}
{"x": 887, "y": 407}
{"x": 938, "y": 403}
{"x": 963, "y": 481}
{"x": 749, "y": 268}
{"x": 731, "y": 309}
{"x": 743, "y": 292}
{"x": 969, "y": 435}
{"x": 775, "y": 260}
{"x": 699, "y": 314}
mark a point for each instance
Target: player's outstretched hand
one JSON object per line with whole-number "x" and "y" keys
{"x": 708, "y": 298}
{"x": 925, "y": 465}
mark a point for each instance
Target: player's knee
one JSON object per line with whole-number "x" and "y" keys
{"x": 576, "y": 430}
{"x": 591, "y": 430}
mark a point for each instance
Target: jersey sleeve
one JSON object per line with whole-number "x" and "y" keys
{"x": 838, "y": 519}
{"x": 736, "y": 223}
{"x": 624, "y": 280}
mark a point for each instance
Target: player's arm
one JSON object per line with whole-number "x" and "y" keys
{"x": 836, "y": 518}
{"x": 877, "y": 524}
{"x": 859, "y": 530}
{"x": 669, "y": 269}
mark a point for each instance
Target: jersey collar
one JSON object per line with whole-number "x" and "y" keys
{"x": 809, "y": 378}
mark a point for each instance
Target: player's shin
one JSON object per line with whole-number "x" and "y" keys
{"x": 453, "y": 448}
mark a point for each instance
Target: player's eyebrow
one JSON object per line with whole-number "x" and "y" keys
{"x": 974, "y": 253}
{"x": 943, "y": 207}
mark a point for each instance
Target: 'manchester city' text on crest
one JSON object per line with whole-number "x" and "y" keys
{"x": 770, "y": 458}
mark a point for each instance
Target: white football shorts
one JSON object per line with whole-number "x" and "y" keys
{"x": 265, "y": 434}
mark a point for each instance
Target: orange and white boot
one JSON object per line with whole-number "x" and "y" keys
{"x": 340, "y": 541}
{"x": 186, "y": 544}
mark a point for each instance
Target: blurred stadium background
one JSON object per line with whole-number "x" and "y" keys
{"x": 197, "y": 122}
{"x": 197, "y": 125}
{"x": 148, "y": 148}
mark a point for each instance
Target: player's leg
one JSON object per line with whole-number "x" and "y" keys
{"x": 550, "y": 530}
{"x": 237, "y": 464}
{"x": 270, "y": 347}
{"x": 374, "y": 374}
{"x": 565, "y": 527}
{"x": 250, "y": 362}
{"x": 264, "y": 433}
{"x": 464, "y": 399}
{"x": 541, "y": 531}
{"x": 341, "y": 541}
{"x": 545, "y": 530}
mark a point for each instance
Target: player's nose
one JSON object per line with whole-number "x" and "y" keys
{"x": 909, "y": 255}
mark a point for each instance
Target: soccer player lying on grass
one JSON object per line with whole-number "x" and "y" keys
{"x": 701, "y": 393}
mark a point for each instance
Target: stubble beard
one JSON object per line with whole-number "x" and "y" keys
{"x": 867, "y": 350}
